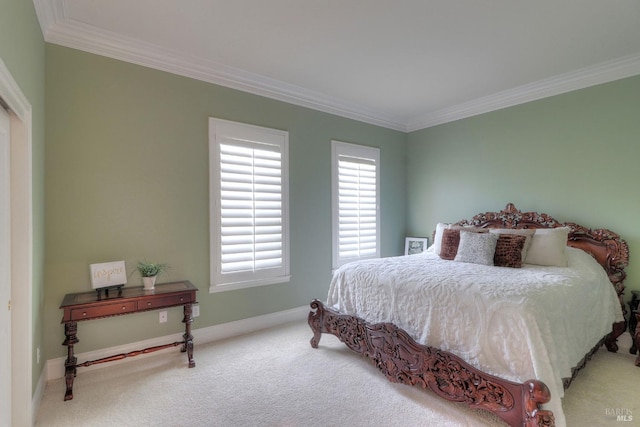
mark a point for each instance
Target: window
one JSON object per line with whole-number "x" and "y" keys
{"x": 249, "y": 193}
{"x": 355, "y": 202}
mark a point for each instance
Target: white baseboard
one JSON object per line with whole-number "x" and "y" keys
{"x": 54, "y": 368}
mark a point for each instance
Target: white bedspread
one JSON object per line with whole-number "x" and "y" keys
{"x": 516, "y": 323}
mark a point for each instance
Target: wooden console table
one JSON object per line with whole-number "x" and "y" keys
{"x": 92, "y": 305}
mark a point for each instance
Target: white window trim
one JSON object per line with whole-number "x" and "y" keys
{"x": 338, "y": 149}
{"x": 218, "y": 129}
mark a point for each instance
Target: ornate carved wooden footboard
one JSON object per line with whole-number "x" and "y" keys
{"x": 403, "y": 360}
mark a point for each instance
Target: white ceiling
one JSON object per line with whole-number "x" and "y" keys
{"x": 403, "y": 64}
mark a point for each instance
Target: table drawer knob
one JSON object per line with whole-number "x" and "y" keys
{"x": 181, "y": 299}
{"x": 84, "y": 313}
{"x": 149, "y": 303}
{"x": 124, "y": 307}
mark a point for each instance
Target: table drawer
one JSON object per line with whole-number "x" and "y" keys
{"x": 104, "y": 310}
{"x": 168, "y": 301}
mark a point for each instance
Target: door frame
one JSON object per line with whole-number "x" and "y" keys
{"x": 22, "y": 331}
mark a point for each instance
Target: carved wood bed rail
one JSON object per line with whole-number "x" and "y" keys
{"x": 403, "y": 360}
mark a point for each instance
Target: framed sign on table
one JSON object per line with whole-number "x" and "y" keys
{"x": 108, "y": 275}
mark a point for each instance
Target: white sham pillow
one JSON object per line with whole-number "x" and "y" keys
{"x": 437, "y": 238}
{"x": 548, "y": 247}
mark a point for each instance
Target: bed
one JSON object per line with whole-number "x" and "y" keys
{"x": 506, "y": 340}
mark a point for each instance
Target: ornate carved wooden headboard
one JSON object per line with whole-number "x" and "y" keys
{"x": 604, "y": 245}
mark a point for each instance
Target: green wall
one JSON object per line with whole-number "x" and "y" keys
{"x": 22, "y": 50}
{"x": 574, "y": 156}
{"x": 127, "y": 179}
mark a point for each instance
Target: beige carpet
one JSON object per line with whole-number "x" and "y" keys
{"x": 274, "y": 378}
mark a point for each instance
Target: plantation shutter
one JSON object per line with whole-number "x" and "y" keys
{"x": 356, "y": 222}
{"x": 250, "y": 206}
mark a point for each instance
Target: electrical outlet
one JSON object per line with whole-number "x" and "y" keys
{"x": 38, "y": 355}
{"x": 195, "y": 310}
{"x": 163, "y": 317}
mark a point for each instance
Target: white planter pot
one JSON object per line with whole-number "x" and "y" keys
{"x": 149, "y": 282}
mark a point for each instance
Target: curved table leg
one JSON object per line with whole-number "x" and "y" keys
{"x": 70, "y": 370}
{"x": 610, "y": 340}
{"x": 633, "y": 321}
{"x": 188, "y": 338}
{"x": 636, "y": 337}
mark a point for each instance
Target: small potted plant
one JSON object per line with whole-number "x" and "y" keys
{"x": 149, "y": 271}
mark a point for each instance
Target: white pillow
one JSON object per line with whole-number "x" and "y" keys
{"x": 476, "y": 248}
{"x": 528, "y": 232}
{"x": 548, "y": 247}
{"x": 437, "y": 238}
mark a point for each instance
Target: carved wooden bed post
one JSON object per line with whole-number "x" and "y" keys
{"x": 402, "y": 360}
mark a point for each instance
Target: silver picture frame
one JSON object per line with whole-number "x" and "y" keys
{"x": 415, "y": 245}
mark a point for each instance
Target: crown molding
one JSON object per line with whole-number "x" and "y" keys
{"x": 605, "y": 72}
{"x": 49, "y": 12}
{"x": 58, "y": 28}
